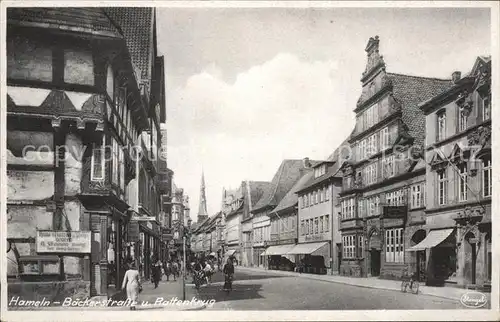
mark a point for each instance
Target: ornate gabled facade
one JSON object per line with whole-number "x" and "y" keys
{"x": 75, "y": 97}
{"x": 381, "y": 200}
{"x": 458, "y": 155}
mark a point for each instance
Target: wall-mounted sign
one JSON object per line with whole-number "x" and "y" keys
{"x": 144, "y": 218}
{"x": 314, "y": 238}
{"x": 63, "y": 241}
{"x": 394, "y": 211}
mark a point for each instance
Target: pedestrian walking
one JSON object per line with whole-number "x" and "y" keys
{"x": 175, "y": 270}
{"x": 132, "y": 284}
{"x": 156, "y": 271}
{"x": 168, "y": 270}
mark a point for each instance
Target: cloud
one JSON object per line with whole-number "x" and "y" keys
{"x": 284, "y": 108}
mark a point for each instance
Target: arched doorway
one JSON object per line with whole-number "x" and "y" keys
{"x": 470, "y": 252}
{"x": 374, "y": 252}
{"x": 420, "y": 256}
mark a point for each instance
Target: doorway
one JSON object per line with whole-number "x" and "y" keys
{"x": 471, "y": 254}
{"x": 375, "y": 262}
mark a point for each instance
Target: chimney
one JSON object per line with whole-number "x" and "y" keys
{"x": 306, "y": 163}
{"x": 455, "y": 77}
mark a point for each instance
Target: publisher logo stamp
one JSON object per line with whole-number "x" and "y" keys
{"x": 473, "y": 300}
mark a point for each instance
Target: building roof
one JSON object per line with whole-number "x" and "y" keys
{"x": 84, "y": 20}
{"x": 287, "y": 175}
{"x": 410, "y": 91}
{"x": 330, "y": 173}
{"x": 291, "y": 198}
{"x": 136, "y": 24}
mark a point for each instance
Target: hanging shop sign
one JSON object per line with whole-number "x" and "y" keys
{"x": 133, "y": 231}
{"x": 63, "y": 241}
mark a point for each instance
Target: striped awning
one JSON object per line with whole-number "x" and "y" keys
{"x": 303, "y": 249}
{"x": 277, "y": 250}
{"x": 434, "y": 238}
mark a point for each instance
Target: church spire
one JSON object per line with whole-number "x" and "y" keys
{"x": 202, "y": 210}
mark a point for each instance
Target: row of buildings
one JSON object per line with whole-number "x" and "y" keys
{"x": 409, "y": 188}
{"x": 89, "y": 189}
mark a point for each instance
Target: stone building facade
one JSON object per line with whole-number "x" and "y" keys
{"x": 318, "y": 227}
{"x": 459, "y": 170}
{"x": 382, "y": 199}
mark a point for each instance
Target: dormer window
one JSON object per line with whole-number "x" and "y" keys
{"x": 319, "y": 171}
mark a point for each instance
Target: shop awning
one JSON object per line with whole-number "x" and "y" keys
{"x": 277, "y": 250}
{"x": 230, "y": 252}
{"x": 302, "y": 249}
{"x": 434, "y": 238}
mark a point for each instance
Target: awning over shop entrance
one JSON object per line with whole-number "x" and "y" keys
{"x": 230, "y": 252}
{"x": 277, "y": 250}
{"x": 302, "y": 249}
{"x": 434, "y": 238}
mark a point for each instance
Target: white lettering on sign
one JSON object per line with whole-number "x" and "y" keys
{"x": 63, "y": 241}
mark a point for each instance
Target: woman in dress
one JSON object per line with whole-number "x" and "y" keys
{"x": 132, "y": 284}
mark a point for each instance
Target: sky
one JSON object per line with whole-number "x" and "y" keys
{"x": 250, "y": 87}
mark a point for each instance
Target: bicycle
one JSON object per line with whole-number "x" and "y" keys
{"x": 409, "y": 281}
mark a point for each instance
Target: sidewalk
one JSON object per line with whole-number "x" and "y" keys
{"x": 451, "y": 293}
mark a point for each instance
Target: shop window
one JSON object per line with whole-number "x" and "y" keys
{"x": 462, "y": 182}
{"x": 78, "y": 67}
{"x": 28, "y": 59}
{"x": 98, "y": 161}
{"x": 394, "y": 249}
{"x": 487, "y": 176}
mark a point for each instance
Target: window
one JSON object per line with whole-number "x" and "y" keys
{"x": 311, "y": 227}
{"x": 348, "y": 246}
{"x": 462, "y": 182}
{"x": 487, "y": 178}
{"x": 98, "y": 161}
{"x": 302, "y": 227}
{"x": 360, "y": 246}
{"x": 321, "y": 224}
{"x": 394, "y": 249}
{"x": 371, "y": 173}
{"x": 441, "y": 120}
{"x": 316, "y": 224}
{"x": 27, "y": 59}
{"x": 417, "y": 196}
{"x": 361, "y": 208}
{"x": 373, "y": 204}
{"x": 389, "y": 166}
{"x": 110, "y": 81}
{"x": 442, "y": 187}
{"x": 327, "y": 193}
{"x": 372, "y": 145}
{"x": 486, "y": 108}
{"x": 78, "y": 67}
{"x": 347, "y": 207}
{"x": 327, "y": 224}
{"x": 462, "y": 119}
{"x": 321, "y": 195}
{"x": 384, "y": 138}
